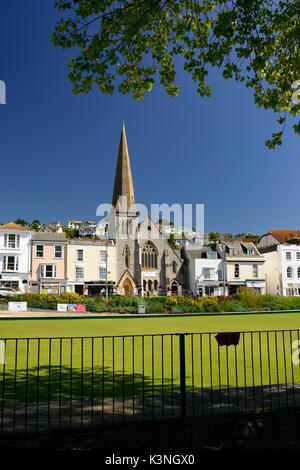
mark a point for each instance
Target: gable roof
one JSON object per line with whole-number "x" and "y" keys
{"x": 48, "y": 236}
{"x": 13, "y": 226}
{"x": 283, "y": 235}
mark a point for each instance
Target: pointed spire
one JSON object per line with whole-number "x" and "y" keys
{"x": 123, "y": 185}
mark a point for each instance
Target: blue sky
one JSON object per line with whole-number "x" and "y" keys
{"x": 58, "y": 151}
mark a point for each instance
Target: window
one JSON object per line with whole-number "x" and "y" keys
{"x": 174, "y": 267}
{"x": 220, "y": 275}
{"x": 236, "y": 271}
{"x": 126, "y": 256}
{"x": 10, "y": 263}
{"x": 48, "y": 270}
{"x": 149, "y": 256}
{"x": 39, "y": 251}
{"x": 250, "y": 252}
{"x": 298, "y": 254}
{"x": 207, "y": 273}
{"x": 79, "y": 255}
{"x": 298, "y": 272}
{"x": 209, "y": 290}
{"x": 255, "y": 270}
{"x": 79, "y": 271}
{"x": 289, "y": 272}
{"x": 212, "y": 255}
{"x": 57, "y": 251}
{"x": 102, "y": 273}
{"x": 102, "y": 256}
{"x": 288, "y": 255}
{"x": 11, "y": 240}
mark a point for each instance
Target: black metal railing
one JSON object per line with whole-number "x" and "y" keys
{"x": 49, "y": 383}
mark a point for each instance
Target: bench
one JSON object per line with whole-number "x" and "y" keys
{"x": 177, "y": 310}
{"x": 240, "y": 309}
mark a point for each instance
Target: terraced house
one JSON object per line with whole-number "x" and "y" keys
{"x": 243, "y": 266}
{"x": 48, "y": 263}
{"x": 15, "y": 256}
{"x": 281, "y": 250}
{"x": 86, "y": 266}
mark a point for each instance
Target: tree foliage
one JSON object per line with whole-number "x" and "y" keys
{"x": 129, "y": 43}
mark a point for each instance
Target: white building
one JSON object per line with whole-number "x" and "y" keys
{"x": 282, "y": 269}
{"x": 74, "y": 224}
{"x": 88, "y": 229}
{"x": 205, "y": 271}
{"x": 15, "y": 256}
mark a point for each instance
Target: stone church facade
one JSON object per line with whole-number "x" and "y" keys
{"x": 145, "y": 262}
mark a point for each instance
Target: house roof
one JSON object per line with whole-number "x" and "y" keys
{"x": 241, "y": 248}
{"x": 13, "y": 226}
{"x": 196, "y": 254}
{"x": 283, "y": 235}
{"x": 48, "y": 236}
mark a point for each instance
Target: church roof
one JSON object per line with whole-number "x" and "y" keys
{"x": 123, "y": 185}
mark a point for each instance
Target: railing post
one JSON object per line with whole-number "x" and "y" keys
{"x": 182, "y": 376}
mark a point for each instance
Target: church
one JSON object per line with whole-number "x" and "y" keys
{"x": 146, "y": 265}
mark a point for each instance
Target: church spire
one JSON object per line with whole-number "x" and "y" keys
{"x": 123, "y": 185}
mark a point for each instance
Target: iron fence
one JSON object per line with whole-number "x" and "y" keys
{"x": 67, "y": 382}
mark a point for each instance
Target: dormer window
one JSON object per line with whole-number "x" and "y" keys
{"x": 212, "y": 255}
{"x": 250, "y": 252}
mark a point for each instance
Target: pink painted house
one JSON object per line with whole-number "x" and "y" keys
{"x": 48, "y": 263}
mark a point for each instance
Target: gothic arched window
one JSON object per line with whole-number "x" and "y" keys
{"x": 126, "y": 256}
{"x": 174, "y": 267}
{"x": 149, "y": 256}
{"x": 289, "y": 272}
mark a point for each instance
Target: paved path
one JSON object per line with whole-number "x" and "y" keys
{"x": 77, "y": 413}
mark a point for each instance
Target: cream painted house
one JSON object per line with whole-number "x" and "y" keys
{"x": 86, "y": 266}
{"x": 244, "y": 266}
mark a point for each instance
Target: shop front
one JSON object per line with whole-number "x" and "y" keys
{"x": 19, "y": 283}
{"x": 292, "y": 289}
{"x": 206, "y": 288}
{"x": 258, "y": 286}
{"x": 57, "y": 287}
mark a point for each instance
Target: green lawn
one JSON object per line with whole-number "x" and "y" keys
{"x": 152, "y": 325}
{"x": 125, "y": 366}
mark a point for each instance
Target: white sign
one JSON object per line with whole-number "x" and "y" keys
{"x": 17, "y": 306}
{"x": 62, "y": 307}
{"x": 2, "y": 352}
{"x": 256, "y": 283}
{"x": 141, "y": 309}
{"x": 150, "y": 273}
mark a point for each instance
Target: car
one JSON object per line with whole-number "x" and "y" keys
{"x": 8, "y": 292}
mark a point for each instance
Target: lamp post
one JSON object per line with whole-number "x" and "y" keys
{"x": 106, "y": 259}
{"x": 224, "y": 268}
